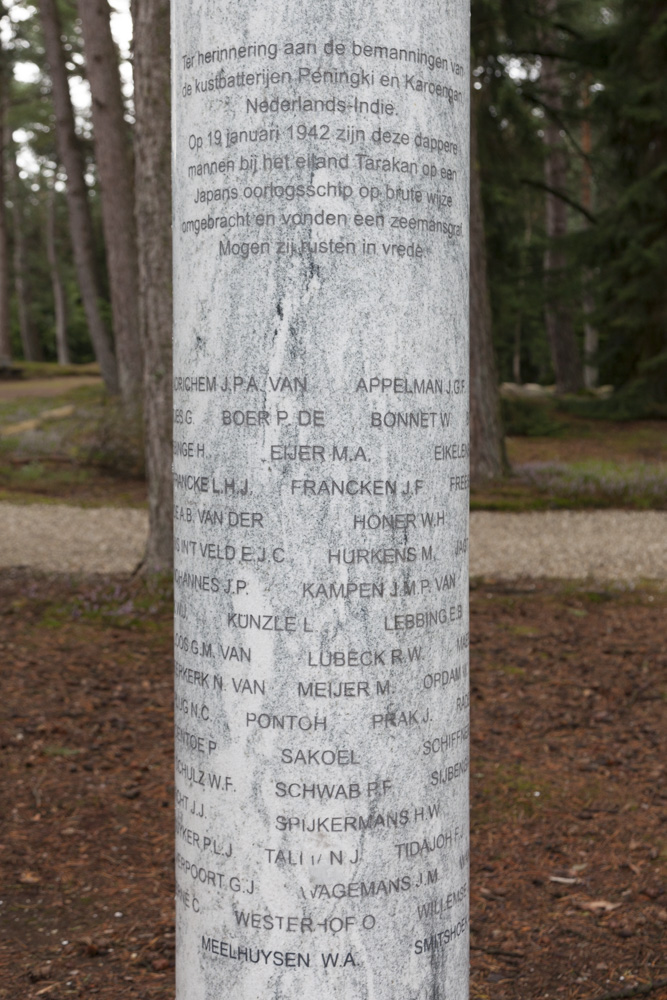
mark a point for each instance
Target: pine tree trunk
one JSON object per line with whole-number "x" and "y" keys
{"x": 518, "y": 330}
{"x": 153, "y": 205}
{"x": 32, "y": 349}
{"x": 81, "y": 224}
{"x": 115, "y": 169}
{"x": 591, "y": 336}
{"x": 5, "y": 328}
{"x": 516, "y": 356}
{"x": 59, "y": 299}
{"x": 558, "y": 316}
{"x": 487, "y": 445}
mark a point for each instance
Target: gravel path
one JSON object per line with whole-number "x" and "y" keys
{"x": 604, "y": 545}
{"x": 601, "y": 545}
{"x": 66, "y": 539}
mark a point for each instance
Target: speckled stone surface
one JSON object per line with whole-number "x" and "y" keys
{"x": 321, "y": 491}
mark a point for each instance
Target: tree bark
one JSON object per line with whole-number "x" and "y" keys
{"x": 59, "y": 299}
{"x": 591, "y": 335}
{"x": 487, "y": 443}
{"x": 81, "y": 224}
{"x": 5, "y": 328}
{"x": 32, "y": 349}
{"x": 558, "y": 316}
{"x": 115, "y": 170}
{"x": 153, "y": 208}
{"x": 518, "y": 330}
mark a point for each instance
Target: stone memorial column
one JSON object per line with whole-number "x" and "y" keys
{"x": 321, "y": 498}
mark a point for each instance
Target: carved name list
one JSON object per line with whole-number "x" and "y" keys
{"x": 321, "y": 485}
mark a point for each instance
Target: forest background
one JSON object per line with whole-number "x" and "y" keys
{"x": 568, "y": 400}
{"x": 568, "y": 205}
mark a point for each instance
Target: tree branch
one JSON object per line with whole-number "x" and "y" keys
{"x": 563, "y": 197}
{"x": 558, "y": 120}
{"x": 543, "y": 54}
{"x": 567, "y": 29}
{"x": 497, "y": 951}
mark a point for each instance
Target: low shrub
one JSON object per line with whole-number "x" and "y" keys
{"x": 529, "y": 417}
{"x": 117, "y": 441}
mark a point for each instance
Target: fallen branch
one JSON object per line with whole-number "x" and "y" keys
{"x": 632, "y": 991}
{"x": 497, "y": 951}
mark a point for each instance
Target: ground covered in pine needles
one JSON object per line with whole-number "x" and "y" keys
{"x": 569, "y": 783}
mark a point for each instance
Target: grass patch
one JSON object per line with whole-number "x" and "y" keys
{"x": 530, "y": 417}
{"x": 50, "y": 369}
{"x": 36, "y": 472}
{"x": 91, "y": 456}
{"x": 640, "y": 485}
{"x": 83, "y": 398}
{"x": 144, "y": 609}
{"x": 511, "y": 671}
{"x": 597, "y": 596}
{"x": 511, "y": 496}
{"x": 16, "y": 496}
{"x": 587, "y": 484}
{"x": 98, "y": 432}
{"x": 526, "y": 630}
{"x": 509, "y": 790}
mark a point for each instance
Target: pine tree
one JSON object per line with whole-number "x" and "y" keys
{"x": 115, "y": 170}
{"x": 5, "y": 328}
{"x": 81, "y": 225}
{"x": 153, "y": 192}
{"x": 629, "y": 244}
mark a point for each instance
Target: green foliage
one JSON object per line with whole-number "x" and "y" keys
{"x": 633, "y": 402}
{"x": 30, "y": 118}
{"x": 529, "y": 418}
{"x": 629, "y": 247}
{"x": 611, "y": 57}
{"x": 142, "y": 609}
{"x": 511, "y": 155}
{"x": 50, "y": 370}
{"x": 117, "y": 441}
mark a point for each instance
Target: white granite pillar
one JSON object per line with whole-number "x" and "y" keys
{"x": 321, "y": 498}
